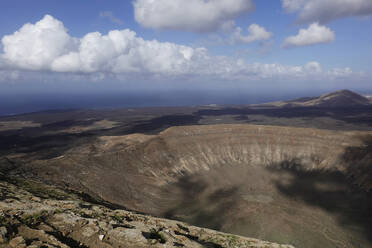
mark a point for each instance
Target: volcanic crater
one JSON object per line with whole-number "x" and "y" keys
{"x": 298, "y": 186}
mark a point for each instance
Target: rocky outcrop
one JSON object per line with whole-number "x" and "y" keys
{"x": 62, "y": 219}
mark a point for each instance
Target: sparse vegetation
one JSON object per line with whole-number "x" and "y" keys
{"x": 34, "y": 219}
{"x": 232, "y": 240}
{"x": 117, "y": 218}
{"x": 41, "y": 190}
{"x": 58, "y": 211}
{"x": 95, "y": 215}
{"x": 2, "y": 220}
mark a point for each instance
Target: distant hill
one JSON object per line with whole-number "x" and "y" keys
{"x": 341, "y": 98}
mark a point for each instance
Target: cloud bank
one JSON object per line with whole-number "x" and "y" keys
{"x": 46, "y": 47}
{"x": 314, "y": 34}
{"x": 324, "y": 11}
{"x": 190, "y": 15}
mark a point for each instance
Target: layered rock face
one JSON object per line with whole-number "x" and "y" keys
{"x": 281, "y": 184}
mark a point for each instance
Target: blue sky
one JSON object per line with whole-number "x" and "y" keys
{"x": 172, "y": 44}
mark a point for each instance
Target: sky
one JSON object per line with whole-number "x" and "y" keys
{"x": 270, "y": 47}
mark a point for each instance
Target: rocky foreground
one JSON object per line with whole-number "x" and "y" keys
{"x": 35, "y": 215}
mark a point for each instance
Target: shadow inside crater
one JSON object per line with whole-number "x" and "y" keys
{"x": 200, "y": 203}
{"x": 345, "y": 194}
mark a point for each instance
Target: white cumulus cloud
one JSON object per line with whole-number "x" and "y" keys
{"x": 323, "y": 11}
{"x": 35, "y": 46}
{"x": 190, "y": 15}
{"x": 255, "y": 33}
{"x": 121, "y": 51}
{"x": 314, "y": 34}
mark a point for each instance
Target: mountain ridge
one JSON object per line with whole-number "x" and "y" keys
{"x": 340, "y": 98}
